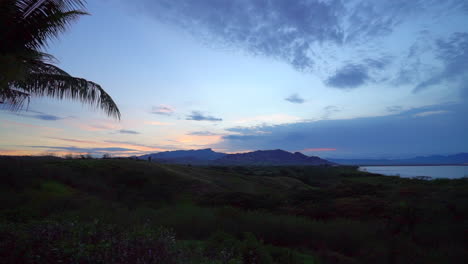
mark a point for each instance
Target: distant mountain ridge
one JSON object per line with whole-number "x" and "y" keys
{"x": 460, "y": 158}
{"x": 260, "y": 157}
{"x": 198, "y": 156}
{"x": 271, "y": 157}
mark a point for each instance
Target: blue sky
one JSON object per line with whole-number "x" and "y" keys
{"x": 330, "y": 78}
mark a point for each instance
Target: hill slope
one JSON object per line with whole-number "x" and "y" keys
{"x": 271, "y": 158}
{"x": 260, "y": 157}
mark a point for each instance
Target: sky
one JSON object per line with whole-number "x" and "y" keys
{"x": 332, "y": 78}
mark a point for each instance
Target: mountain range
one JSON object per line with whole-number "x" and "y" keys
{"x": 282, "y": 158}
{"x": 260, "y": 157}
{"x": 460, "y": 158}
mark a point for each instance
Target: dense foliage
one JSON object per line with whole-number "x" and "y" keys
{"x": 125, "y": 211}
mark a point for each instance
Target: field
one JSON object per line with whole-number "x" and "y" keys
{"x": 125, "y": 211}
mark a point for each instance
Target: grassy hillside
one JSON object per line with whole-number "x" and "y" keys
{"x": 125, "y": 211}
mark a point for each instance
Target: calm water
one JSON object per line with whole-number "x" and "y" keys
{"x": 450, "y": 172}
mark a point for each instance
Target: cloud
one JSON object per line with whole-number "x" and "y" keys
{"x": 272, "y": 119}
{"x": 396, "y": 134}
{"x": 429, "y": 113}
{"x": 279, "y": 29}
{"x": 349, "y": 77}
{"x": 318, "y": 36}
{"x": 203, "y": 133}
{"x": 114, "y": 143}
{"x": 162, "y": 110}
{"x": 453, "y": 53}
{"x": 37, "y": 115}
{"x": 330, "y": 110}
{"x": 75, "y": 140}
{"x": 394, "y": 108}
{"x": 139, "y": 147}
{"x": 131, "y": 132}
{"x": 318, "y": 149}
{"x": 198, "y": 116}
{"x": 295, "y": 99}
{"x": 47, "y": 117}
{"x": 85, "y": 150}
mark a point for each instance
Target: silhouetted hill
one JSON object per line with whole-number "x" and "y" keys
{"x": 271, "y": 157}
{"x": 461, "y": 158}
{"x": 199, "y": 156}
{"x": 260, "y": 157}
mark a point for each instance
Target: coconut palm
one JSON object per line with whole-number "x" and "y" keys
{"x": 26, "y": 26}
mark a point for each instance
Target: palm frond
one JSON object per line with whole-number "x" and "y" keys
{"x": 29, "y": 7}
{"x": 26, "y": 26}
{"x": 40, "y": 29}
{"x": 62, "y": 86}
{"x": 13, "y": 99}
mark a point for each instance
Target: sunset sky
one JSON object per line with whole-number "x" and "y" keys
{"x": 331, "y": 78}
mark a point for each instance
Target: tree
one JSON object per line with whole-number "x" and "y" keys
{"x": 26, "y": 26}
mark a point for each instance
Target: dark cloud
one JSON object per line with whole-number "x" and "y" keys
{"x": 308, "y": 34}
{"x": 162, "y": 110}
{"x": 280, "y": 29}
{"x": 410, "y": 132}
{"x": 131, "y": 132}
{"x": 47, "y": 117}
{"x": 198, "y": 116}
{"x": 295, "y": 99}
{"x": 349, "y": 77}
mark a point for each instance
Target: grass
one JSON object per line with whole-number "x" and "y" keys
{"x": 89, "y": 211}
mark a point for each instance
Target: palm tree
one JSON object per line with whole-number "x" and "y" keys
{"x": 25, "y": 28}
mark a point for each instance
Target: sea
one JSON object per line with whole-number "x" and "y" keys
{"x": 435, "y": 172}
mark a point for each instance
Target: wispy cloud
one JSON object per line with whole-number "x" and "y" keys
{"x": 131, "y": 132}
{"x": 163, "y": 110}
{"x": 317, "y": 149}
{"x": 199, "y": 116}
{"x": 273, "y": 119}
{"x": 84, "y": 150}
{"x": 203, "y": 133}
{"x": 37, "y": 115}
{"x": 330, "y": 110}
{"x": 453, "y": 53}
{"x": 394, "y": 108}
{"x": 75, "y": 140}
{"x": 112, "y": 143}
{"x": 430, "y": 113}
{"x": 295, "y": 99}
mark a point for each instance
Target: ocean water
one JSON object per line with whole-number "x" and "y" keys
{"x": 449, "y": 172}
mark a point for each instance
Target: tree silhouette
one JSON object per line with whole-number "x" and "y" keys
{"x": 25, "y": 70}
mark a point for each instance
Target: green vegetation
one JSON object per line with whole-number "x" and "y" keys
{"x": 126, "y": 211}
